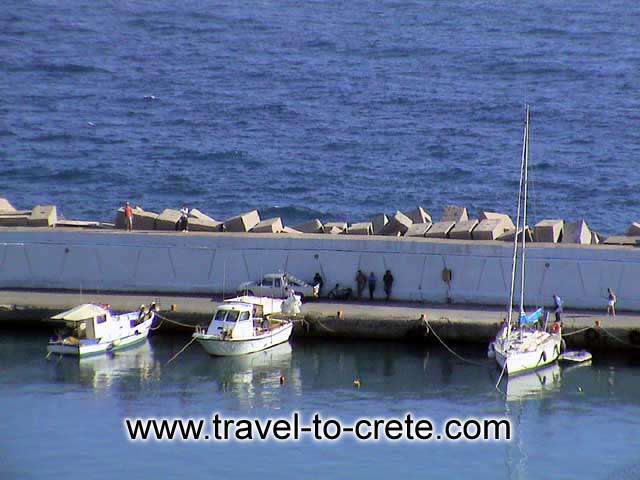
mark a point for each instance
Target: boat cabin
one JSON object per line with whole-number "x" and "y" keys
{"x": 88, "y": 321}
{"x": 236, "y": 320}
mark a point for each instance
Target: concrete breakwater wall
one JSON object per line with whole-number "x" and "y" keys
{"x": 215, "y": 262}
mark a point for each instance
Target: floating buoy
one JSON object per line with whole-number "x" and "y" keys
{"x": 356, "y": 383}
{"x": 282, "y": 379}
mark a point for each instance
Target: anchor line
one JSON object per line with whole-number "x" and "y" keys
{"x": 455, "y": 354}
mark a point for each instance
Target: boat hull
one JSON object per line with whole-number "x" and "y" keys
{"x": 87, "y": 349}
{"x": 514, "y": 362}
{"x": 214, "y": 345}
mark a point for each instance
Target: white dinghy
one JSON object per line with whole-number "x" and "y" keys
{"x": 244, "y": 325}
{"x": 91, "y": 329}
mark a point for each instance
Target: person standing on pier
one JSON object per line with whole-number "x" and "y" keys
{"x": 388, "y": 283}
{"x": 317, "y": 280}
{"x": 557, "y": 302}
{"x": 611, "y": 303}
{"x": 372, "y": 284}
{"x": 128, "y": 217}
{"x": 184, "y": 219}
{"x": 361, "y": 282}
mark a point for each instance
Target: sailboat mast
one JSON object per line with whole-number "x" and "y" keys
{"x": 515, "y": 238}
{"x": 524, "y": 215}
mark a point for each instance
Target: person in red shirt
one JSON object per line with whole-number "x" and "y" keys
{"x": 128, "y": 216}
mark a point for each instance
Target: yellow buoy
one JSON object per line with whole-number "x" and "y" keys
{"x": 356, "y": 383}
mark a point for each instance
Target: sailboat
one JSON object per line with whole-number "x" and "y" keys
{"x": 528, "y": 342}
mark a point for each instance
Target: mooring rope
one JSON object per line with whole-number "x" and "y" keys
{"x": 161, "y": 317}
{"x": 577, "y": 331}
{"x": 460, "y": 357}
{"x": 618, "y": 338}
{"x": 181, "y": 350}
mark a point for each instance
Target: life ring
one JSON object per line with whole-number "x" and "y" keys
{"x": 555, "y": 328}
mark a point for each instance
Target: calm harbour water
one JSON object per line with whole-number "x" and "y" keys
{"x": 345, "y": 108}
{"x": 63, "y": 417}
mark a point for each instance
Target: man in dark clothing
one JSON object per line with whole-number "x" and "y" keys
{"x": 361, "y": 282}
{"x": 557, "y": 303}
{"x": 388, "y": 283}
{"x": 317, "y": 280}
{"x": 372, "y": 284}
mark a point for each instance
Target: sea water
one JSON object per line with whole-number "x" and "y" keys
{"x": 63, "y": 417}
{"x": 328, "y": 109}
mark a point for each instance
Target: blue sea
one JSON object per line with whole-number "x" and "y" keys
{"x": 64, "y": 418}
{"x": 332, "y": 109}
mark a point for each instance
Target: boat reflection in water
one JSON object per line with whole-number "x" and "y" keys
{"x": 534, "y": 384}
{"x": 102, "y": 372}
{"x": 257, "y": 375}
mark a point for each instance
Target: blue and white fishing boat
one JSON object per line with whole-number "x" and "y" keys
{"x": 91, "y": 329}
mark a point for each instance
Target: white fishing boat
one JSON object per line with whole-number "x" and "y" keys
{"x": 527, "y": 343}
{"x": 91, "y": 329}
{"x": 244, "y": 325}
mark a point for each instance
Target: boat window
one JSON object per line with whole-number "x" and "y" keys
{"x": 232, "y": 316}
{"x": 244, "y": 316}
{"x": 220, "y": 315}
{"x": 267, "y": 282}
{"x": 276, "y": 282}
{"x": 101, "y": 318}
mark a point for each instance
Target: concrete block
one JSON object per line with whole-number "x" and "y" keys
{"x": 418, "y": 229}
{"x": 440, "y": 230}
{"x": 165, "y": 221}
{"x": 199, "y": 222}
{"x": 634, "y": 230}
{"x": 378, "y": 223}
{"x": 341, "y": 226}
{"x": 43, "y": 216}
{"x": 312, "y": 226}
{"x": 332, "y": 230}
{"x": 576, "y": 232}
{"x": 399, "y": 223}
{"x": 508, "y": 235}
{"x": 271, "y": 225}
{"x": 142, "y": 220}
{"x": 243, "y": 222}
{"x": 506, "y": 219}
{"x": 289, "y": 230}
{"x": 76, "y": 224}
{"x": 548, "y": 231}
{"x": 454, "y": 214}
{"x": 463, "y": 230}
{"x": 489, "y": 229}
{"x": 14, "y": 219}
{"x": 622, "y": 240}
{"x": 362, "y": 228}
{"x": 5, "y": 206}
{"x": 419, "y": 215}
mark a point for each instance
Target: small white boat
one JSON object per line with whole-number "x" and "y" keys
{"x": 575, "y": 356}
{"x": 244, "y": 325}
{"x": 92, "y": 329}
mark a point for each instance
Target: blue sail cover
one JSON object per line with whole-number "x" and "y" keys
{"x": 533, "y": 318}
